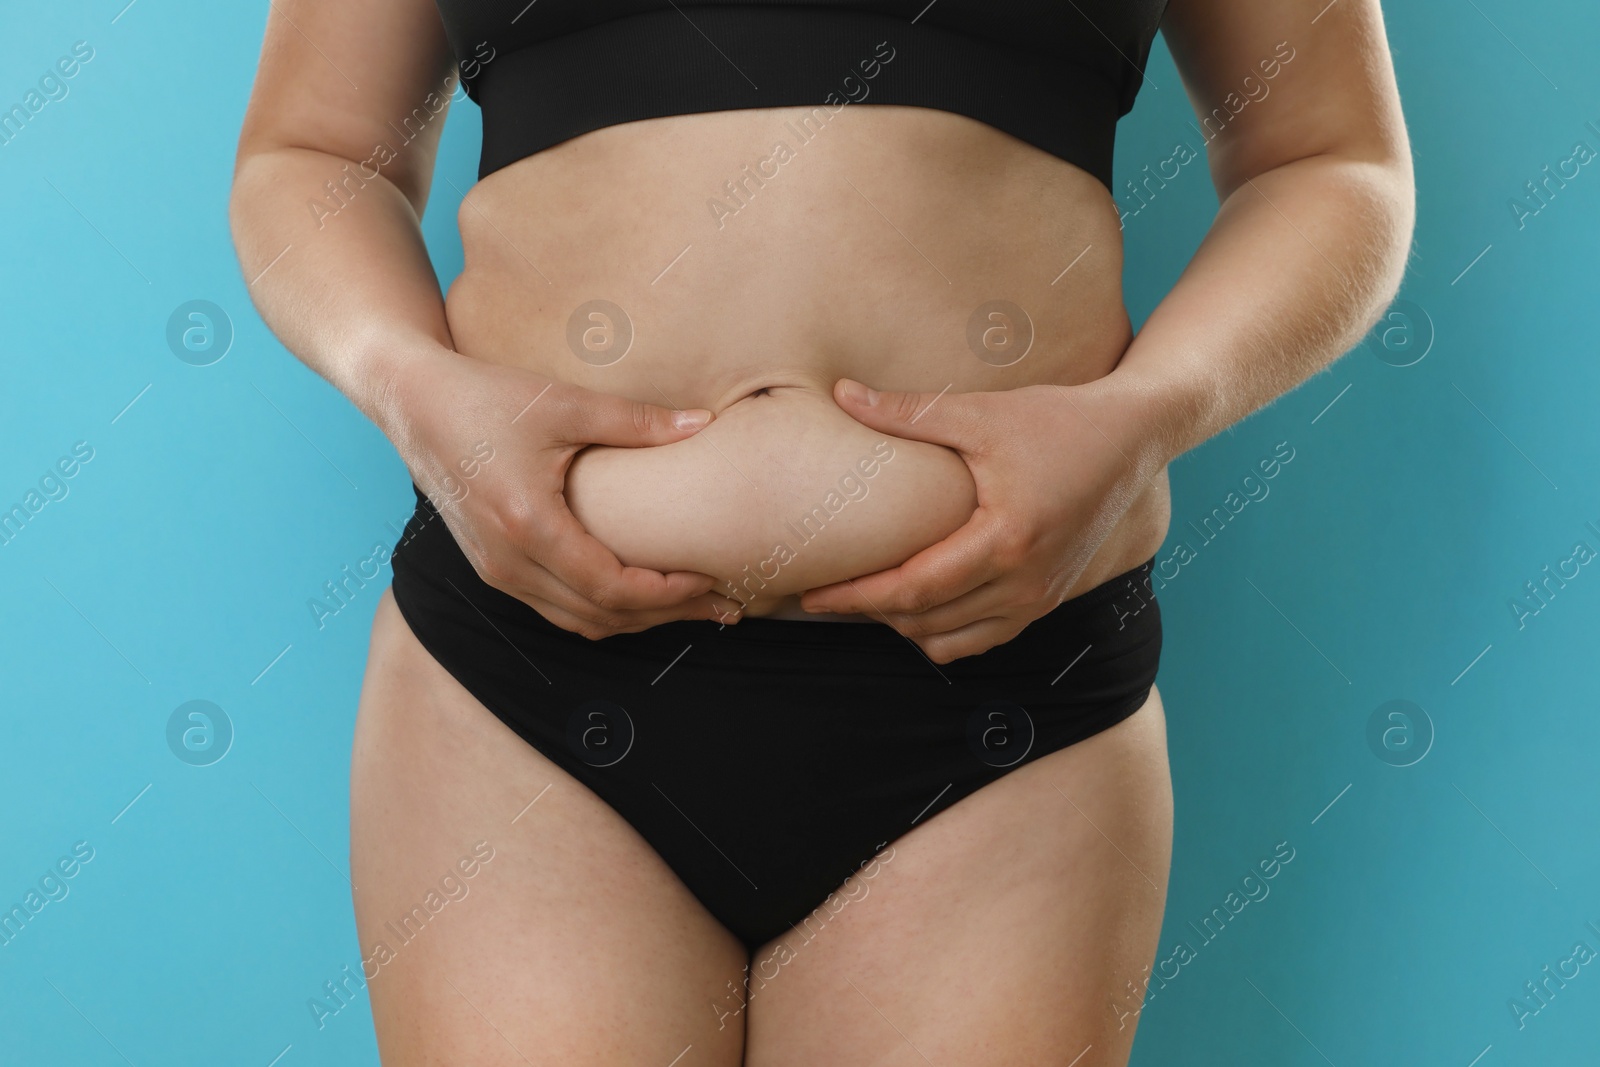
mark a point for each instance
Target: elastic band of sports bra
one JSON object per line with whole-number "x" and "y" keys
{"x": 658, "y": 63}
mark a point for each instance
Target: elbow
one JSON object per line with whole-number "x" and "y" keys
{"x": 1384, "y": 191}
{"x": 1370, "y": 218}
{"x": 240, "y": 197}
{"x": 236, "y": 189}
{"x": 1372, "y": 205}
{"x": 1387, "y": 196}
{"x": 248, "y": 154}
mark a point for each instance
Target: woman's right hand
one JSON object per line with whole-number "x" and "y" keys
{"x": 446, "y": 412}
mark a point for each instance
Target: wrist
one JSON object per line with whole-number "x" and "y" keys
{"x": 395, "y": 375}
{"x": 1156, "y": 418}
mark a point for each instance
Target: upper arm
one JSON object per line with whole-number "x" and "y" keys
{"x": 354, "y": 79}
{"x": 1273, "y": 81}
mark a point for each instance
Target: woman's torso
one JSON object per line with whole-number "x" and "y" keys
{"x": 779, "y": 250}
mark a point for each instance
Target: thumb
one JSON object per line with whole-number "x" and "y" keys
{"x": 944, "y": 418}
{"x": 587, "y": 417}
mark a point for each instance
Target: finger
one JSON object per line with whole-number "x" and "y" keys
{"x": 937, "y": 575}
{"x": 708, "y": 607}
{"x": 565, "y": 608}
{"x": 987, "y": 601}
{"x": 682, "y": 587}
{"x": 589, "y": 569}
{"x": 957, "y": 420}
{"x": 509, "y": 564}
{"x": 582, "y": 416}
{"x": 722, "y": 609}
{"x": 542, "y": 560}
{"x": 556, "y": 615}
{"x": 526, "y": 579}
{"x": 969, "y": 640}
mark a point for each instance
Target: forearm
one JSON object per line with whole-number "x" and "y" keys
{"x": 353, "y": 294}
{"x": 1299, "y": 264}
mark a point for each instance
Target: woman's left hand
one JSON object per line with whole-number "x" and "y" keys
{"x": 1056, "y": 467}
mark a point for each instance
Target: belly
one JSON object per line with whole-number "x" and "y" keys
{"x": 783, "y": 492}
{"x": 743, "y": 262}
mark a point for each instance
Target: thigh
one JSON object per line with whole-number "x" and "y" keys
{"x": 1003, "y": 931}
{"x": 506, "y": 914}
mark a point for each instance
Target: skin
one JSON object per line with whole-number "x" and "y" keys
{"x": 1042, "y": 892}
{"x": 760, "y": 337}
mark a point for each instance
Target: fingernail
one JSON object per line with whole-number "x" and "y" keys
{"x": 857, "y": 393}
{"x": 690, "y": 420}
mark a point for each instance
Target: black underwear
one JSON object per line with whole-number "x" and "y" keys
{"x": 767, "y": 762}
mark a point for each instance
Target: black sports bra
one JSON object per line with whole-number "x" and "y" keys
{"x": 1055, "y": 73}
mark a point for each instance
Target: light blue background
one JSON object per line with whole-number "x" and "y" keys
{"x": 1379, "y": 567}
